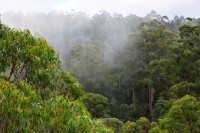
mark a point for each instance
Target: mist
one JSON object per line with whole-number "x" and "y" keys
{"x": 68, "y": 29}
{"x": 64, "y": 30}
{"x": 76, "y": 32}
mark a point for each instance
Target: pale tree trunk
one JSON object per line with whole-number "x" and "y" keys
{"x": 151, "y": 97}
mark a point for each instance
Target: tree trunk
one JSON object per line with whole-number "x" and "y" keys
{"x": 12, "y": 70}
{"x": 151, "y": 96}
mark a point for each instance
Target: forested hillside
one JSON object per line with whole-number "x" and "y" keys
{"x": 140, "y": 74}
{"x": 36, "y": 94}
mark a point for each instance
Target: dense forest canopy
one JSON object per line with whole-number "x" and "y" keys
{"x": 140, "y": 74}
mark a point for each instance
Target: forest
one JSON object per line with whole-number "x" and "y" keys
{"x": 68, "y": 72}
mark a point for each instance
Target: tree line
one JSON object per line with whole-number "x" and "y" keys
{"x": 145, "y": 68}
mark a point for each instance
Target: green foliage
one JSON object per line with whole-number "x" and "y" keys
{"x": 97, "y": 105}
{"x": 130, "y": 127}
{"x": 125, "y": 112}
{"x": 151, "y": 46}
{"x": 23, "y": 110}
{"x": 156, "y": 130}
{"x": 70, "y": 86}
{"x": 183, "y": 116}
{"x": 114, "y": 123}
{"x": 36, "y": 95}
{"x": 187, "y": 54}
{"x": 162, "y": 106}
{"x": 141, "y": 75}
{"x": 143, "y": 125}
{"x": 86, "y": 64}
{"x": 25, "y": 57}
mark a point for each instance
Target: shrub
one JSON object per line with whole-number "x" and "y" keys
{"x": 114, "y": 123}
{"x": 97, "y": 104}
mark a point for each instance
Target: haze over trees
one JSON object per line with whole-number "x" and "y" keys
{"x": 140, "y": 74}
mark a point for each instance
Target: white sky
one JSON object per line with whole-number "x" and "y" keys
{"x": 188, "y": 8}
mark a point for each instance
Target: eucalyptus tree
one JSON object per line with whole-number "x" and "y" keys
{"x": 152, "y": 43}
{"x": 25, "y": 57}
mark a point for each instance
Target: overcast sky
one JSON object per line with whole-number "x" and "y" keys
{"x": 187, "y": 8}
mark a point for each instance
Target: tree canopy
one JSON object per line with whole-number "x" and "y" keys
{"x": 141, "y": 71}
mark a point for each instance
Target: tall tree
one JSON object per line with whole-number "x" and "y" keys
{"x": 152, "y": 43}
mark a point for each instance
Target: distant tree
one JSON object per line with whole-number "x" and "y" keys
{"x": 152, "y": 43}
{"x": 114, "y": 123}
{"x": 143, "y": 125}
{"x": 130, "y": 127}
{"x": 86, "y": 64}
{"x": 156, "y": 130}
{"x": 162, "y": 106}
{"x": 189, "y": 19}
{"x": 184, "y": 60}
{"x": 97, "y": 105}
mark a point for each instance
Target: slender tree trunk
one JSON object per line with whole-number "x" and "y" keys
{"x": 133, "y": 95}
{"x": 12, "y": 70}
{"x": 151, "y": 97}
